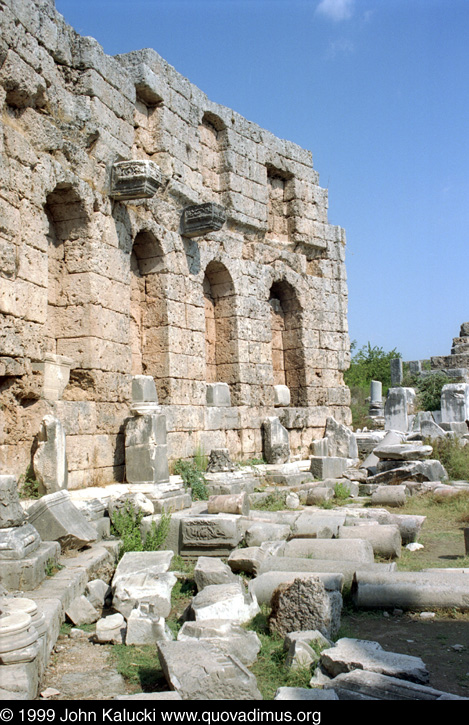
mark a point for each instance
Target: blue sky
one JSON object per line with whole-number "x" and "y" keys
{"x": 377, "y": 90}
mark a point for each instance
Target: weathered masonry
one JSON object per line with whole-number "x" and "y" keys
{"x": 146, "y": 230}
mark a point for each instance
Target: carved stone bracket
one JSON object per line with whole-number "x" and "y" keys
{"x": 201, "y": 219}
{"x": 135, "y": 180}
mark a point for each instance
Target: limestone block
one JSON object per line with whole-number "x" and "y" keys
{"x": 275, "y": 441}
{"x": 81, "y": 611}
{"x": 111, "y": 629}
{"x": 144, "y": 389}
{"x": 200, "y": 671}
{"x": 25, "y": 572}
{"x": 97, "y": 591}
{"x": 246, "y": 560}
{"x": 147, "y": 463}
{"x": 351, "y": 654}
{"x": 138, "y": 502}
{"x": 11, "y": 512}
{"x": 341, "y": 441}
{"x": 455, "y": 402}
{"x": 300, "y": 655}
{"x": 57, "y": 519}
{"x": 135, "y": 179}
{"x": 403, "y": 452}
{"x": 210, "y": 570}
{"x": 56, "y": 375}
{"x": 225, "y": 601}
{"x": 50, "y": 459}
{"x": 281, "y": 396}
{"x": 305, "y": 604}
{"x": 144, "y": 626}
{"x": 23, "y": 85}
{"x": 218, "y": 395}
{"x": 201, "y": 219}
{"x": 328, "y": 467}
{"x": 308, "y": 636}
{"x": 398, "y": 406}
{"x": 231, "y": 638}
{"x": 143, "y": 577}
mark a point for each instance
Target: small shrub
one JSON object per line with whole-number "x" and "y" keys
{"x": 453, "y": 456}
{"x": 29, "y": 486}
{"x": 52, "y": 567}
{"x": 341, "y": 491}
{"x": 192, "y": 478}
{"x": 125, "y": 524}
{"x": 273, "y": 502}
{"x": 428, "y": 390}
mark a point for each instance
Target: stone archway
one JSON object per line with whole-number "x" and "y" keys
{"x": 220, "y": 325}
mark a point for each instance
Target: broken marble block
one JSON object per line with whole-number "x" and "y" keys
{"x": 198, "y": 670}
{"x": 224, "y": 601}
{"x": 111, "y": 629}
{"x": 341, "y": 441}
{"x": 262, "y": 531}
{"x": 11, "y": 511}
{"x": 143, "y": 577}
{"x": 211, "y": 570}
{"x": 246, "y": 560}
{"x": 397, "y": 408}
{"x": 96, "y": 592}
{"x": 145, "y": 626}
{"x": 304, "y": 604}
{"x": 220, "y": 462}
{"x": 351, "y": 654}
{"x": 56, "y": 518}
{"x": 50, "y": 459}
{"x": 81, "y": 611}
{"x": 231, "y": 638}
{"x": 455, "y": 403}
{"x": 146, "y": 450}
{"x": 300, "y": 655}
{"x": 281, "y": 396}
{"x": 275, "y": 441}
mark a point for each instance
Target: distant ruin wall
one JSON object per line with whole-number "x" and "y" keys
{"x": 211, "y": 263}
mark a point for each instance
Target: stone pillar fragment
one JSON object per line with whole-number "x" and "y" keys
{"x": 397, "y": 372}
{"x": 50, "y": 459}
{"x": 275, "y": 441}
{"x": 398, "y": 406}
{"x": 376, "y": 408}
{"x": 455, "y": 403}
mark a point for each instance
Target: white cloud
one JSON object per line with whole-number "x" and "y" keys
{"x": 336, "y": 9}
{"x": 339, "y": 47}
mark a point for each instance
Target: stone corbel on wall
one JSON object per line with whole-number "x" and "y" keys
{"x": 138, "y": 179}
{"x": 201, "y": 219}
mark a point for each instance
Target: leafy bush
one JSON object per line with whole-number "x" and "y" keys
{"x": 428, "y": 390}
{"x": 275, "y": 501}
{"x": 125, "y": 524}
{"x": 370, "y": 363}
{"x": 341, "y": 491}
{"x": 192, "y": 478}
{"x": 453, "y": 455}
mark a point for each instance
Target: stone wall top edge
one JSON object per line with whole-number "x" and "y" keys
{"x": 128, "y": 62}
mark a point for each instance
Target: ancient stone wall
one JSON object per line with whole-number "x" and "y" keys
{"x": 96, "y": 286}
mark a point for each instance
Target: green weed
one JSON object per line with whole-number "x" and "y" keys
{"x": 125, "y": 524}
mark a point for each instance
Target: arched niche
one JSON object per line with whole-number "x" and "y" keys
{"x": 148, "y": 315}
{"x": 212, "y": 133}
{"x": 288, "y": 358}
{"x": 66, "y": 228}
{"x": 221, "y": 353}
